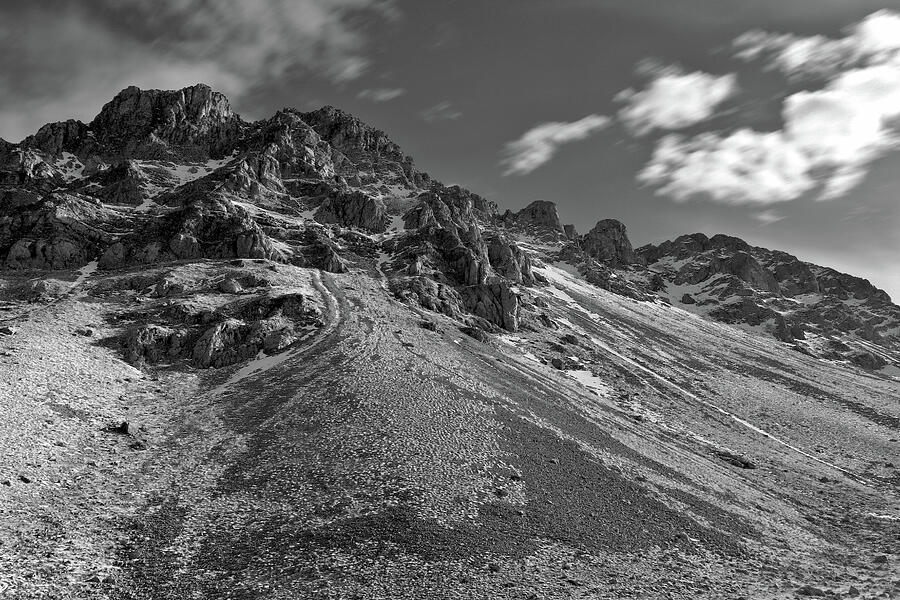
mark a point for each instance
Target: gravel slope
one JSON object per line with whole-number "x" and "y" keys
{"x": 382, "y": 459}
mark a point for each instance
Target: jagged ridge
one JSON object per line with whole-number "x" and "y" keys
{"x": 161, "y": 176}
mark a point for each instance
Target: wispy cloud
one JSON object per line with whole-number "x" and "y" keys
{"x": 540, "y": 143}
{"x": 87, "y": 52}
{"x": 832, "y": 131}
{"x": 874, "y": 40}
{"x": 767, "y": 217}
{"x": 442, "y": 111}
{"x": 674, "y": 100}
{"x": 671, "y": 100}
{"x": 381, "y": 94}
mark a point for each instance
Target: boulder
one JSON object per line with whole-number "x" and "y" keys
{"x": 230, "y": 286}
{"x": 867, "y": 360}
{"x": 429, "y": 294}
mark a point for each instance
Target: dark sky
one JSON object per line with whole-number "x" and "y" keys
{"x": 790, "y": 148}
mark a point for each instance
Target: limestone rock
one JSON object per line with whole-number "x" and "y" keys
{"x": 608, "y": 242}
{"x": 370, "y": 150}
{"x": 509, "y": 261}
{"x": 757, "y": 285}
{"x": 496, "y": 302}
{"x": 541, "y": 213}
{"x": 230, "y": 286}
{"x": 205, "y": 228}
{"x": 58, "y": 231}
{"x": 354, "y": 209}
{"x": 194, "y": 122}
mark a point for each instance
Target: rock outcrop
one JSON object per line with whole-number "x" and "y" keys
{"x": 56, "y": 231}
{"x": 354, "y": 209}
{"x": 608, "y": 242}
{"x": 211, "y": 227}
{"x": 541, "y": 213}
{"x": 194, "y": 122}
{"x": 373, "y": 154}
{"x": 234, "y": 333}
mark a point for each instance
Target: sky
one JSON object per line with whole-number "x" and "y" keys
{"x": 777, "y": 121}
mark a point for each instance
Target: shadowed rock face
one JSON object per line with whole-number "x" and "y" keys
{"x": 57, "y": 231}
{"x": 194, "y": 121}
{"x": 354, "y": 209}
{"x": 55, "y": 138}
{"x": 207, "y": 228}
{"x": 541, "y": 213}
{"x": 609, "y": 243}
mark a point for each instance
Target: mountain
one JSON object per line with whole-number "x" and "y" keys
{"x": 274, "y": 359}
{"x": 821, "y": 311}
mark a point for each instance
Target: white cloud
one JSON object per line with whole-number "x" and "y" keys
{"x": 540, "y": 143}
{"x": 830, "y": 136}
{"x": 381, "y": 94}
{"x": 744, "y": 167}
{"x": 674, "y": 100}
{"x": 874, "y": 40}
{"x": 442, "y": 111}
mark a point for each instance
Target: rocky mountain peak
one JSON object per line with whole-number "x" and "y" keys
{"x": 56, "y": 138}
{"x": 541, "y": 213}
{"x": 350, "y": 135}
{"x": 373, "y": 152}
{"x": 727, "y": 279}
{"x": 608, "y": 242}
{"x": 196, "y": 120}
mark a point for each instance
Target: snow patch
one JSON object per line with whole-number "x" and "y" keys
{"x": 590, "y": 381}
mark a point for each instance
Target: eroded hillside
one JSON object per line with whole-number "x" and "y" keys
{"x": 274, "y": 360}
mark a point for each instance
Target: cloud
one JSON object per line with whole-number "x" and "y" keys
{"x": 744, "y": 167}
{"x": 540, "y": 143}
{"x": 767, "y": 217}
{"x": 60, "y": 60}
{"x": 874, "y": 40}
{"x": 674, "y": 100}
{"x": 442, "y": 111}
{"x": 380, "y": 94}
{"x": 254, "y": 39}
{"x": 830, "y": 135}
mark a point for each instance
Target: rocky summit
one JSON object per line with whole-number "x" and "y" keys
{"x": 819, "y": 310}
{"x": 274, "y": 359}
